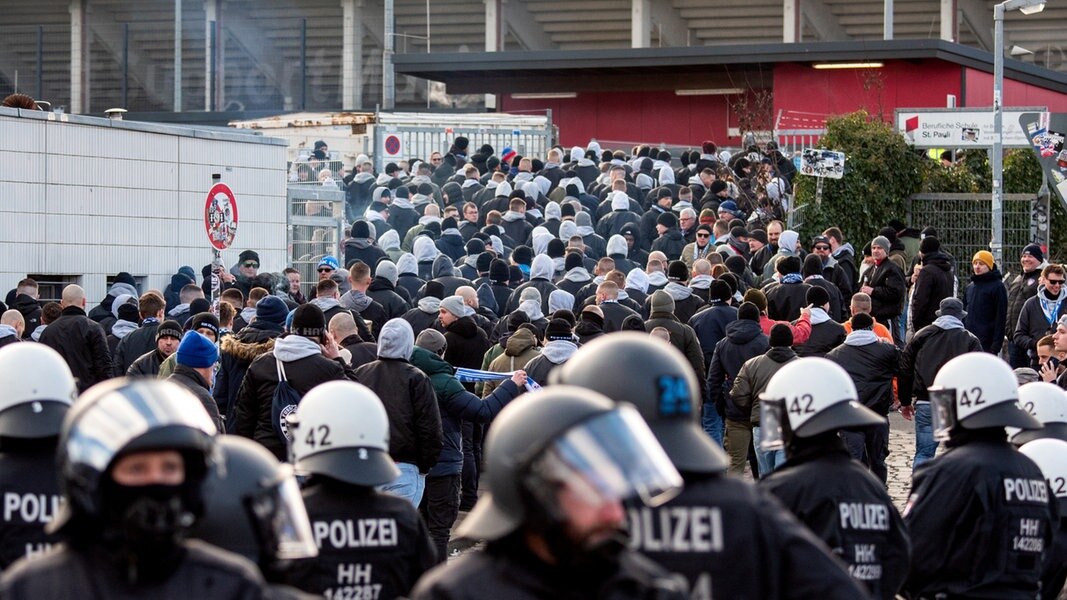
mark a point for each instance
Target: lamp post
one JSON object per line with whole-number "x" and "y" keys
{"x": 1027, "y": 7}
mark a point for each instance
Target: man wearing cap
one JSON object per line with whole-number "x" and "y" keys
{"x": 1039, "y": 314}
{"x": 700, "y": 248}
{"x": 929, "y": 349}
{"x": 934, "y": 282}
{"x": 305, "y": 357}
{"x": 205, "y": 323}
{"x": 661, "y": 205}
{"x": 744, "y": 340}
{"x": 884, "y": 283}
{"x": 383, "y": 290}
{"x": 168, "y": 335}
{"x": 986, "y": 302}
{"x": 1021, "y": 288}
{"x": 362, "y": 247}
{"x": 150, "y": 308}
{"x": 195, "y": 371}
{"x": 670, "y": 241}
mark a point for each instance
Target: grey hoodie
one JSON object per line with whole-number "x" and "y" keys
{"x": 424, "y": 249}
{"x": 294, "y": 347}
{"x": 396, "y": 340}
{"x": 356, "y": 300}
{"x": 407, "y": 265}
{"x": 617, "y": 245}
{"x": 442, "y": 267}
{"x": 542, "y": 267}
{"x": 559, "y": 351}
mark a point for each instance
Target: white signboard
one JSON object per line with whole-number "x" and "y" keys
{"x": 960, "y": 127}
{"x": 822, "y": 163}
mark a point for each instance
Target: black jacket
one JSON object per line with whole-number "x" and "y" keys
{"x": 784, "y": 300}
{"x": 81, "y": 342}
{"x": 744, "y": 340}
{"x": 195, "y": 383}
{"x": 364, "y": 250}
{"x": 670, "y": 243}
{"x": 934, "y": 282}
{"x": 146, "y": 365}
{"x": 762, "y": 551}
{"x": 824, "y": 337}
{"x": 1032, "y": 325}
{"x": 383, "y": 292}
{"x": 682, "y": 337}
{"x": 414, "y": 418}
{"x": 710, "y": 326}
{"x": 28, "y": 476}
{"x": 412, "y": 283}
{"x": 847, "y": 280}
{"x": 31, "y": 313}
{"x": 253, "y": 407}
{"x": 236, "y": 352}
{"x": 965, "y": 522}
{"x": 451, "y": 246}
{"x": 849, "y": 509}
{"x": 986, "y": 302}
{"x": 887, "y": 298}
{"x": 133, "y": 346}
{"x": 506, "y": 568}
{"x": 872, "y": 368}
{"x": 467, "y": 344}
{"x": 929, "y": 349}
{"x": 614, "y": 314}
{"x": 838, "y": 310}
{"x": 394, "y": 558}
{"x": 1021, "y": 288}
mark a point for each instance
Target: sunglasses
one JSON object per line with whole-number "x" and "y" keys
{"x": 251, "y": 265}
{"x": 325, "y": 270}
{"x": 1056, "y": 281}
{"x": 703, "y": 235}
{"x": 822, "y": 247}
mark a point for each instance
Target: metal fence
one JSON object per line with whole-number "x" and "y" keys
{"x": 315, "y": 229}
{"x": 964, "y": 225}
{"x": 396, "y": 142}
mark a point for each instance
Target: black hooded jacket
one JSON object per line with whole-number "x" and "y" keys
{"x": 744, "y": 340}
{"x": 934, "y": 283}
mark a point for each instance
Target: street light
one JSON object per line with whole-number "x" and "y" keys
{"x": 1027, "y": 7}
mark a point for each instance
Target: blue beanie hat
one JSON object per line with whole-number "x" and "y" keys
{"x": 272, "y": 310}
{"x": 197, "y": 351}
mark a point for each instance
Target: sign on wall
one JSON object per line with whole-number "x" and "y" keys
{"x": 822, "y": 163}
{"x": 960, "y": 127}
{"x": 220, "y": 216}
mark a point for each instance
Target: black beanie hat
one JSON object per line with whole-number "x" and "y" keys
{"x": 449, "y": 223}
{"x": 929, "y": 245}
{"x": 566, "y": 315}
{"x": 485, "y": 150}
{"x": 205, "y": 320}
{"x": 731, "y": 280}
{"x": 781, "y": 336}
{"x": 401, "y": 192}
{"x": 817, "y": 296}
{"x": 567, "y": 210}
{"x": 812, "y": 265}
{"x": 668, "y": 220}
{"x": 559, "y": 329}
{"x": 787, "y": 265}
{"x": 516, "y": 319}
{"x": 719, "y": 291}
{"x": 360, "y": 229}
{"x": 556, "y": 248}
{"x": 308, "y": 321}
{"x": 124, "y": 277}
{"x": 717, "y": 186}
{"x": 129, "y": 312}
{"x": 434, "y": 289}
{"x": 862, "y": 321}
{"x": 475, "y": 247}
{"x": 522, "y": 255}
{"x": 747, "y": 310}
{"x": 515, "y": 276}
{"x": 248, "y": 255}
{"x": 677, "y": 271}
{"x": 432, "y": 229}
{"x": 498, "y": 271}
{"x": 633, "y": 323}
{"x": 199, "y": 305}
{"x": 537, "y": 165}
{"x": 483, "y": 262}
{"x": 461, "y": 143}
{"x": 572, "y": 261}
{"x": 736, "y": 264}
{"x": 169, "y": 328}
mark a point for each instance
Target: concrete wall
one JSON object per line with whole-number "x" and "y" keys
{"x": 89, "y": 197}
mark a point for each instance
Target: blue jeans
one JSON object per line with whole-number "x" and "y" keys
{"x": 925, "y": 444}
{"x": 713, "y": 423}
{"x": 768, "y": 461}
{"x": 409, "y": 486}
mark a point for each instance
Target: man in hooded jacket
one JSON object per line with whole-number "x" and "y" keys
{"x": 986, "y": 302}
{"x": 237, "y": 351}
{"x": 686, "y": 303}
{"x": 662, "y": 314}
{"x": 933, "y": 283}
{"x": 383, "y": 290}
{"x": 744, "y": 340}
{"x": 541, "y": 272}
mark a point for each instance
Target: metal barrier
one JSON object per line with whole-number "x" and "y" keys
{"x": 964, "y": 225}
{"x": 420, "y": 142}
{"x": 315, "y": 229}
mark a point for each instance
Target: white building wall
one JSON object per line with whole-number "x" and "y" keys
{"x": 90, "y": 197}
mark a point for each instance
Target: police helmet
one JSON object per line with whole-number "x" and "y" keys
{"x": 809, "y": 396}
{"x": 1048, "y": 454}
{"x": 252, "y": 506}
{"x": 341, "y": 431}
{"x": 659, "y": 382}
{"x": 974, "y": 391}
{"x": 39, "y": 390}
{"x": 123, "y": 416}
{"x": 1047, "y": 403}
{"x": 566, "y": 436}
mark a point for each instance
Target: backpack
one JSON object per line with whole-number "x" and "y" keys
{"x": 282, "y": 404}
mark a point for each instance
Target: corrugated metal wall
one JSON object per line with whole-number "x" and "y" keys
{"x": 90, "y": 197}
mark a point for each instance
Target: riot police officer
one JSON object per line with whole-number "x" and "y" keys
{"x": 980, "y": 515}
{"x": 805, "y": 406}
{"x": 1047, "y": 403}
{"x": 725, "y": 536}
{"x": 1049, "y": 454}
{"x": 561, "y": 461}
{"x": 132, "y": 457}
{"x": 39, "y": 389}
{"x": 252, "y": 507}
{"x": 371, "y": 544}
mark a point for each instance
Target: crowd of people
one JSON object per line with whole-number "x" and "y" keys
{"x": 683, "y": 337}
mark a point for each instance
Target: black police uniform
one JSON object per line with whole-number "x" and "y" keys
{"x": 980, "y": 516}
{"x": 30, "y": 493}
{"x": 731, "y": 540}
{"x": 371, "y": 545}
{"x": 847, "y": 508}
{"x": 507, "y": 569}
{"x": 203, "y": 571}
{"x": 1055, "y": 572}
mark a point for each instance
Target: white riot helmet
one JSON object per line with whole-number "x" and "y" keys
{"x": 1048, "y": 454}
{"x": 38, "y": 390}
{"x": 809, "y": 396}
{"x": 1047, "y": 403}
{"x": 974, "y": 391}
{"x": 341, "y": 431}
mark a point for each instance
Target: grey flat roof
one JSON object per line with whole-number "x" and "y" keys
{"x": 472, "y": 72}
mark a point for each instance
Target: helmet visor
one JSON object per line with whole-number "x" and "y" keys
{"x": 282, "y": 521}
{"x": 612, "y": 457}
{"x": 942, "y": 411}
{"x": 771, "y": 424}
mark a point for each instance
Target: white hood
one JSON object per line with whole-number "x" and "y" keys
{"x": 541, "y": 267}
{"x": 666, "y": 175}
{"x": 619, "y": 201}
{"x": 637, "y": 279}
{"x": 390, "y": 240}
{"x": 424, "y": 249}
{"x": 407, "y": 265}
{"x": 552, "y": 211}
{"x": 396, "y": 340}
{"x": 617, "y": 245}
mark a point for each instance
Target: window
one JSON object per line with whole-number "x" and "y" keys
{"x": 50, "y": 287}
